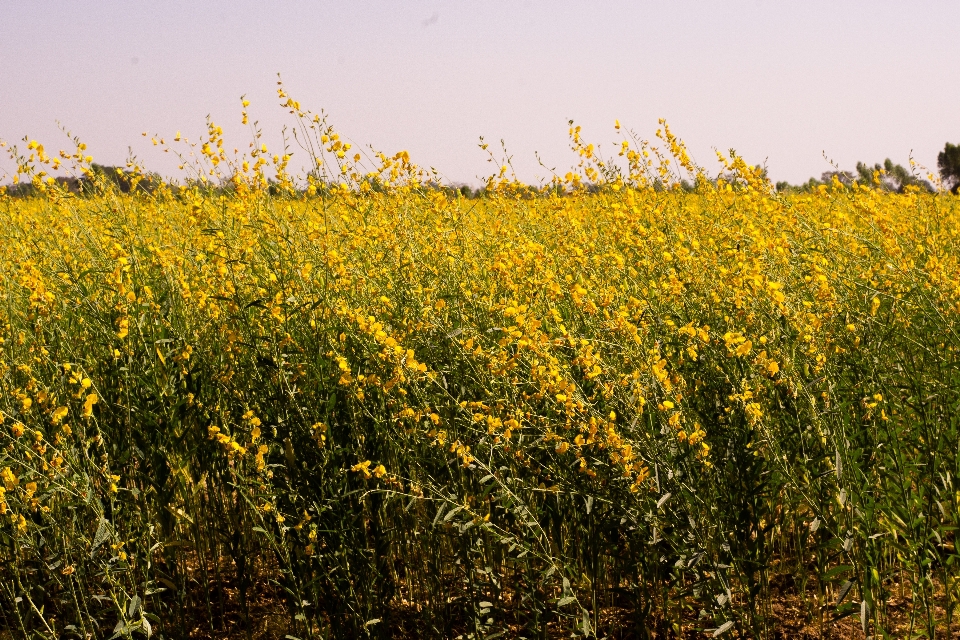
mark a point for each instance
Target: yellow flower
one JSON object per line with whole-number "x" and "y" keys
{"x": 9, "y": 480}
{"x": 362, "y": 467}
{"x": 58, "y": 415}
{"x": 261, "y": 452}
{"x": 88, "y": 405}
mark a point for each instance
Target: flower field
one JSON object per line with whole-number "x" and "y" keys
{"x": 385, "y": 408}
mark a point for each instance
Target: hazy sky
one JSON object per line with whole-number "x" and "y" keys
{"x": 779, "y": 81}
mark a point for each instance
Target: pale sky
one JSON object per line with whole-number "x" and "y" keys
{"x": 781, "y": 82}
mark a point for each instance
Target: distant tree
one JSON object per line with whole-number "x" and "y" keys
{"x": 948, "y": 161}
{"x": 122, "y": 179}
{"x": 22, "y": 190}
{"x": 29, "y": 189}
{"x": 844, "y": 177}
{"x": 893, "y": 177}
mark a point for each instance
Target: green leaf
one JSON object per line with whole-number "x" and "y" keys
{"x": 133, "y": 606}
{"x": 830, "y": 575}
{"x": 103, "y": 533}
{"x": 451, "y": 513}
{"x": 844, "y": 590}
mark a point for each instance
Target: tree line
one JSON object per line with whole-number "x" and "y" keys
{"x": 889, "y": 176}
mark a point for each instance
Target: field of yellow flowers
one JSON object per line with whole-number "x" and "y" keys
{"x": 628, "y": 410}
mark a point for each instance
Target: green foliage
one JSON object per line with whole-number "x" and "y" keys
{"x": 846, "y": 484}
{"x": 617, "y": 410}
{"x": 948, "y": 161}
{"x": 890, "y": 176}
{"x": 887, "y": 176}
